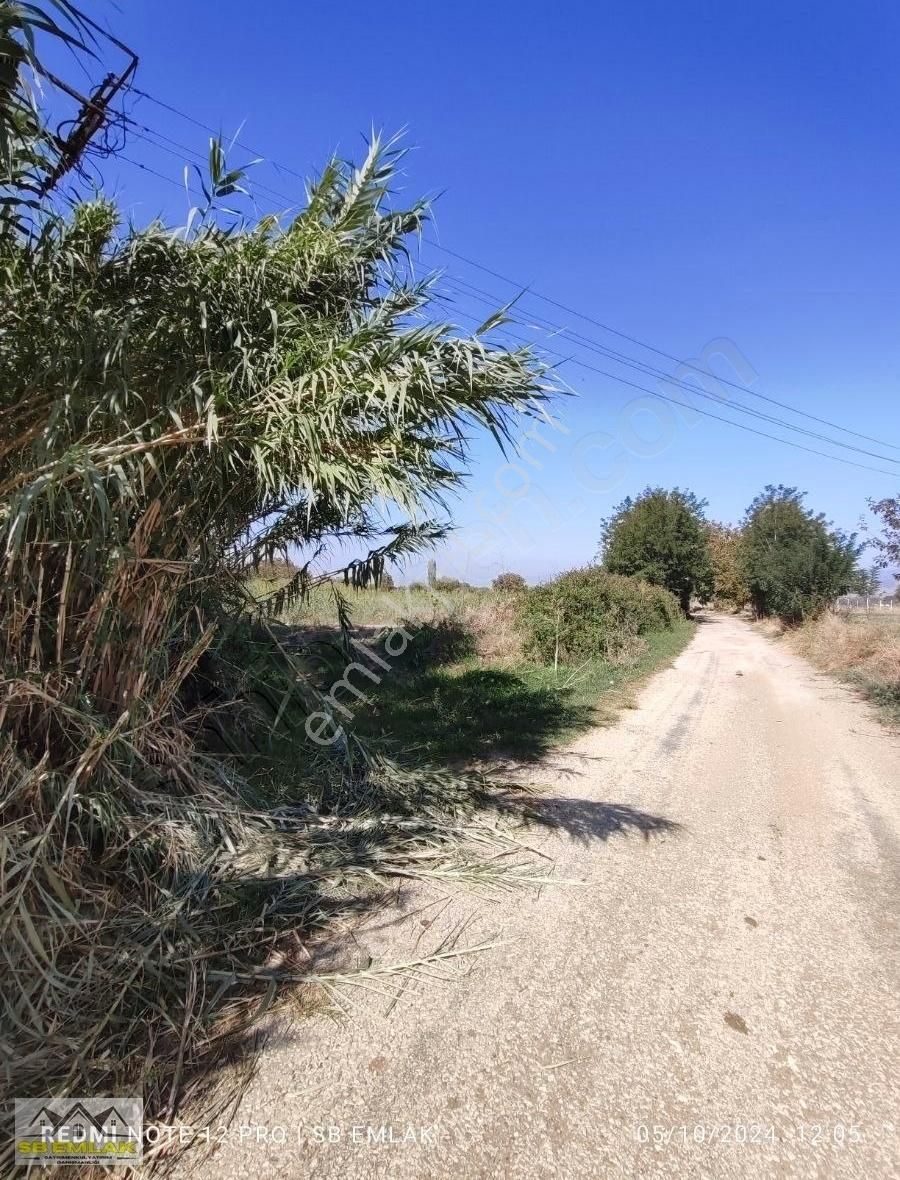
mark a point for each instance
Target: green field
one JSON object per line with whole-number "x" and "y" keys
{"x": 476, "y": 710}
{"x": 463, "y": 691}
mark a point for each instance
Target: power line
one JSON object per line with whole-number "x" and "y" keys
{"x": 650, "y": 347}
{"x": 138, "y": 130}
{"x": 686, "y": 406}
{"x": 279, "y": 167}
{"x": 583, "y": 341}
{"x": 661, "y": 375}
{"x": 612, "y": 376}
{"x": 154, "y": 172}
{"x": 622, "y": 358}
{"x": 570, "y": 310}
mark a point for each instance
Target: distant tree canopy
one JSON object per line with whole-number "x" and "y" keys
{"x": 445, "y": 585}
{"x": 793, "y": 561}
{"x": 729, "y": 586}
{"x": 888, "y": 544}
{"x": 509, "y": 582}
{"x": 660, "y": 536}
{"x": 866, "y": 581}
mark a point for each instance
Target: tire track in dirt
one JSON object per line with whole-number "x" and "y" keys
{"x": 737, "y": 970}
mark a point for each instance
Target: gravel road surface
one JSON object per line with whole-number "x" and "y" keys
{"x": 715, "y": 996}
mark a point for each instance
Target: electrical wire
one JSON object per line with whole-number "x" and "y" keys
{"x": 661, "y": 375}
{"x": 564, "y": 307}
{"x": 634, "y": 363}
{"x": 686, "y": 406}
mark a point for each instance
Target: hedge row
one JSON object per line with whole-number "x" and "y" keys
{"x": 588, "y": 612}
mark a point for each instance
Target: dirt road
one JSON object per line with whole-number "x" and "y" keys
{"x": 716, "y": 999}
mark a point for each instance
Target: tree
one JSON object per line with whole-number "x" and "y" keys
{"x": 660, "y": 536}
{"x": 446, "y": 584}
{"x": 509, "y": 583}
{"x": 888, "y": 544}
{"x": 794, "y": 562}
{"x": 729, "y": 587}
{"x": 866, "y": 581}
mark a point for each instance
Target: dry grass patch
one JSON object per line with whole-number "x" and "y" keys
{"x": 488, "y": 616}
{"x": 862, "y": 649}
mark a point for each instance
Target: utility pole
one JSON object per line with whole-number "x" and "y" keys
{"x": 93, "y": 111}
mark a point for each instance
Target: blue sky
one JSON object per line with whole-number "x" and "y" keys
{"x": 685, "y": 173}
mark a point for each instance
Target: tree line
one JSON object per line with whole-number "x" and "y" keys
{"x": 783, "y": 560}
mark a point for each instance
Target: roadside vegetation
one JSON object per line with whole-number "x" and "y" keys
{"x": 790, "y": 565}
{"x": 784, "y": 561}
{"x": 794, "y": 563}
{"x": 475, "y": 710}
{"x": 180, "y": 404}
{"x": 486, "y": 674}
{"x": 862, "y": 649}
{"x": 183, "y": 407}
{"x": 589, "y": 610}
{"x": 661, "y": 536}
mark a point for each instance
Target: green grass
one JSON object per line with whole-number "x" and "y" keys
{"x": 447, "y": 702}
{"x": 884, "y": 695}
{"x": 473, "y": 711}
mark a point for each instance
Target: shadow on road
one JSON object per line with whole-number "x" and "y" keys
{"x": 587, "y": 819}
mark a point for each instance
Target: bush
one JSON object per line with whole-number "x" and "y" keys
{"x": 277, "y": 570}
{"x": 447, "y": 584}
{"x": 589, "y": 612}
{"x": 509, "y": 583}
{"x": 441, "y": 641}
